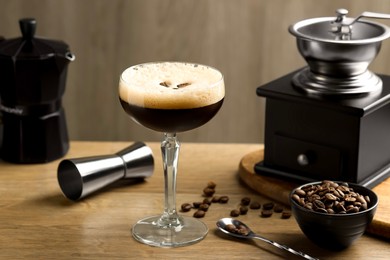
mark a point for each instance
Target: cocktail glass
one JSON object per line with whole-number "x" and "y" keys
{"x": 171, "y": 97}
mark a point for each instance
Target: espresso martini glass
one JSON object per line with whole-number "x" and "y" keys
{"x": 171, "y": 97}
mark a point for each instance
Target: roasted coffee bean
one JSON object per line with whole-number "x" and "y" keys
{"x": 197, "y": 204}
{"x": 242, "y": 230}
{"x": 207, "y": 201}
{"x": 199, "y": 214}
{"x": 300, "y": 192}
{"x": 185, "y": 207}
{"x": 211, "y": 185}
{"x": 268, "y": 205}
{"x": 235, "y": 213}
{"x": 245, "y": 201}
{"x": 321, "y": 210}
{"x": 330, "y": 211}
{"x": 349, "y": 199}
{"x": 330, "y": 196}
{"x": 353, "y": 209}
{"x": 266, "y": 213}
{"x": 296, "y": 198}
{"x": 215, "y": 199}
{"x": 278, "y": 208}
{"x": 243, "y": 210}
{"x": 204, "y": 206}
{"x": 255, "y": 205}
{"x": 231, "y": 228}
{"x": 286, "y": 214}
{"x": 208, "y": 192}
{"x": 308, "y": 205}
{"x": 318, "y": 204}
{"x": 223, "y": 199}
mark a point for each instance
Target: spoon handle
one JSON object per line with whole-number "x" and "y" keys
{"x": 289, "y": 249}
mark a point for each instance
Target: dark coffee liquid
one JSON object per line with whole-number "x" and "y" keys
{"x": 171, "y": 120}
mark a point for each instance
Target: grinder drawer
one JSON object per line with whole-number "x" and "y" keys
{"x": 316, "y": 161}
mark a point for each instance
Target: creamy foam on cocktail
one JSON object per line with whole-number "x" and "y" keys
{"x": 171, "y": 85}
{"x": 171, "y": 97}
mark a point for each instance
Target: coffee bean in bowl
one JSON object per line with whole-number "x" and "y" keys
{"x": 333, "y": 214}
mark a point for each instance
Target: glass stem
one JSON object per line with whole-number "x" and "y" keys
{"x": 170, "y": 148}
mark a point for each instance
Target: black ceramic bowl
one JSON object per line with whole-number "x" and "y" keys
{"x": 334, "y": 231}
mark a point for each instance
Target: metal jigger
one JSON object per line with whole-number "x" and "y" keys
{"x": 82, "y": 176}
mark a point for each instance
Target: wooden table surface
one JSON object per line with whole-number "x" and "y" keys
{"x": 38, "y": 222}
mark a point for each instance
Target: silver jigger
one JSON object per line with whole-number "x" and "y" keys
{"x": 82, "y": 176}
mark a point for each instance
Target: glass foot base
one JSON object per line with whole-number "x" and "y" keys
{"x": 147, "y": 231}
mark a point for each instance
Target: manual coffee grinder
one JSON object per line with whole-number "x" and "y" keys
{"x": 331, "y": 119}
{"x": 32, "y": 82}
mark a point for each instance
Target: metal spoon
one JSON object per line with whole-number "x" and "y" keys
{"x": 238, "y": 229}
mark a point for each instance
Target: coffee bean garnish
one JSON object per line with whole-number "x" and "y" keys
{"x": 165, "y": 84}
{"x": 182, "y": 85}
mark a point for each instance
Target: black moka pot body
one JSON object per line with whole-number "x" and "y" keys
{"x": 32, "y": 82}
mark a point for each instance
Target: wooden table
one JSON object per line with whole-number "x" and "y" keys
{"x": 38, "y": 222}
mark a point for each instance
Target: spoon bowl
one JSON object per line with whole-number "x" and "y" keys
{"x": 236, "y": 228}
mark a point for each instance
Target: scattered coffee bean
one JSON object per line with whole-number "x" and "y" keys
{"x": 223, "y": 199}
{"x": 185, "y": 207}
{"x": 211, "y": 185}
{"x": 199, "y": 214}
{"x": 266, "y": 213}
{"x": 207, "y": 201}
{"x": 215, "y": 199}
{"x": 255, "y": 205}
{"x": 235, "y": 213}
{"x": 197, "y": 204}
{"x": 286, "y": 214}
{"x": 243, "y": 210}
{"x": 204, "y": 207}
{"x": 208, "y": 192}
{"x": 268, "y": 205}
{"x": 330, "y": 197}
{"x": 278, "y": 208}
{"x": 245, "y": 201}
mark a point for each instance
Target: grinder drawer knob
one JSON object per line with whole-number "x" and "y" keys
{"x": 303, "y": 160}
